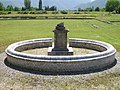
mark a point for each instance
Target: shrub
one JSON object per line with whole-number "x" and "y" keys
{"x": 19, "y": 12}
{"x": 76, "y": 12}
{"x": 64, "y": 12}
{"x": 55, "y": 12}
{"x": 41, "y": 12}
{"x": 113, "y": 12}
{"x": 9, "y": 12}
{"x": 25, "y": 12}
{"x": 31, "y": 12}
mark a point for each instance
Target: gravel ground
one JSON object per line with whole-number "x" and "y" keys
{"x": 11, "y": 79}
{"x": 43, "y": 51}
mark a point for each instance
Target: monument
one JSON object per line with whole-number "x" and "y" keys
{"x": 60, "y": 42}
{"x": 60, "y": 57}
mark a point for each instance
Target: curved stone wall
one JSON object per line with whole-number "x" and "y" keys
{"x": 104, "y": 58}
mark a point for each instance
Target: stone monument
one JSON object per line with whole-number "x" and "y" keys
{"x": 60, "y": 42}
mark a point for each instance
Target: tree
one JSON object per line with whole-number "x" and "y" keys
{"x": 27, "y": 4}
{"x": 1, "y": 7}
{"x": 46, "y": 8}
{"x": 103, "y": 9}
{"x": 79, "y": 9}
{"x": 118, "y": 9}
{"x": 40, "y": 4}
{"x": 23, "y": 8}
{"x": 9, "y": 8}
{"x": 112, "y": 5}
{"x": 97, "y": 9}
{"x": 90, "y": 9}
{"x": 32, "y": 9}
{"x": 53, "y": 8}
{"x": 64, "y": 12}
{"x": 16, "y": 9}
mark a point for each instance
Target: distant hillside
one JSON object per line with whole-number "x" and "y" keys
{"x": 96, "y": 3}
{"x": 18, "y": 3}
{"x": 61, "y": 4}
{"x": 64, "y": 4}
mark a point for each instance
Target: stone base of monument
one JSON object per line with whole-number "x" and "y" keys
{"x": 58, "y": 52}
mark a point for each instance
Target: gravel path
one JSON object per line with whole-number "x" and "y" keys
{"x": 11, "y": 79}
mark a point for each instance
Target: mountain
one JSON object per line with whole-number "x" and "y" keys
{"x": 64, "y": 4}
{"x": 60, "y": 4}
{"x": 96, "y": 3}
{"x": 18, "y": 3}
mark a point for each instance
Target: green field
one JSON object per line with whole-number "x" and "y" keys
{"x": 16, "y": 30}
{"x": 12, "y": 31}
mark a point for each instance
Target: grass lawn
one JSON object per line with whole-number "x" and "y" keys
{"x": 112, "y": 17}
{"x": 16, "y": 30}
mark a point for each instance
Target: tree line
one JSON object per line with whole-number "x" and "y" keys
{"x": 111, "y": 6}
{"x": 27, "y": 7}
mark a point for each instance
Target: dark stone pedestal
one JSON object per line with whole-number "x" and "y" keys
{"x": 51, "y": 51}
{"x": 60, "y": 42}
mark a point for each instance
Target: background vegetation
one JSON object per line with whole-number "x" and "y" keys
{"x": 102, "y": 29}
{"x": 111, "y": 6}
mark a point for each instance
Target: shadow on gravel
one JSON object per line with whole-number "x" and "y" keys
{"x": 57, "y": 73}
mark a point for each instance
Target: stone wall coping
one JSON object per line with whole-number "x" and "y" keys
{"x": 110, "y": 50}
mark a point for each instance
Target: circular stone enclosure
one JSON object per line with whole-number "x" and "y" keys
{"x": 72, "y": 63}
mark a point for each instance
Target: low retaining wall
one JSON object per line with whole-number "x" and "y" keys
{"x": 88, "y": 62}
